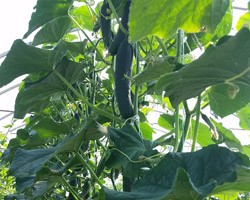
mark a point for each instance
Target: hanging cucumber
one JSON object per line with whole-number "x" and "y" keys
{"x": 123, "y": 66}
{"x": 106, "y": 24}
{"x": 120, "y": 34}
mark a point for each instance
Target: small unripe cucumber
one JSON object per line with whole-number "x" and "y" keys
{"x": 123, "y": 67}
{"x": 106, "y": 24}
{"x": 120, "y": 34}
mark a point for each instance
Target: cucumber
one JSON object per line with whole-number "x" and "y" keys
{"x": 123, "y": 67}
{"x": 106, "y": 24}
{"x": 120, "y": 34}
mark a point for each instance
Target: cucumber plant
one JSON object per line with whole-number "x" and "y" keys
{"x": 113, "y": 117}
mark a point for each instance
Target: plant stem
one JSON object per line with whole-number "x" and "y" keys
{"x": 163, "y": 46}
{"x": 79, "y": 156}
{"x": 228, "y": 81}
{"x": 116, "y": 17}
{"x": 176, "y": 128}
{"x": 86, "y": 35}
{"x": 180, "y": 51}
{"x": 196, "y": 127}
{"x": 180, "y": 45}
{"x": 164, "y": 136}
{"x": 96, "y": 109}
{"x": 137, "y": 121}
{"x": 72, "y": 191}
{"x": 185, "y": 127}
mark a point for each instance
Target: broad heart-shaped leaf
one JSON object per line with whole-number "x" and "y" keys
{"x": 222, "y": 104}
{"x": 216, "y": 65}
{"x": 47, "y": 10}
{"x": 38, "y": 94}
{"x": 53, "y": 31}
{"x": 23, "y": 59}
{"x": 190, "y": 176}
{"x": 130, "y": 143}
{"x": 164, "y": 17}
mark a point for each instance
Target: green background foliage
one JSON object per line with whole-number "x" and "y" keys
{"x": 76, "y": 145}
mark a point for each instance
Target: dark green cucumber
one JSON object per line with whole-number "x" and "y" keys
{"x": 120, "y": 34}
{"x": 106, "y": 24}
{"x": 123, "y": 66}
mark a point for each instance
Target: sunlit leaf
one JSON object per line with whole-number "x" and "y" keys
{"x": 83, "y": 17}
{"x": 244, "y": 116}
{"x": 244, "y": 21}
{"x": 159, "y": 17}
{"x": 147, "y": 131}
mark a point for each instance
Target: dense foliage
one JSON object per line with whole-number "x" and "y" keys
{"x": 95, "y": 73}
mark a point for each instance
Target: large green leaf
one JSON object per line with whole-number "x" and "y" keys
{"x": 129, "y": 148}
{"x": 216, "y": 65}
{"x": 47, "y": 10}
{"x": 26, "y": 163}
{"x": 83, "y": 17}
{"x": 53, "y": 31}
{"x": 23, "y": 59}
{"x": 38, "y": 94}
{"x": 204, "y": 38}
{"x": 223, "y": 104}
{"x": 164, "y": 17}
{"x": 191, "y": 176}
